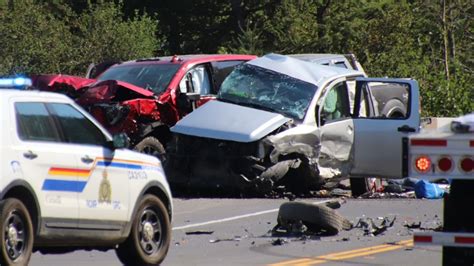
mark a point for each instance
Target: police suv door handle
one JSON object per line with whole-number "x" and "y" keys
{"x": 87, "y": 159}
{"x": 30, "y": 155}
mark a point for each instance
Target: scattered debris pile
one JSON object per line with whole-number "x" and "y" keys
{"x": 434, "y": 224}
{"x": 410, "y": 188}
{"x": 371, "y": 228}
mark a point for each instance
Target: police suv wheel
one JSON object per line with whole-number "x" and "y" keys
{"x": 150, "y": 235}
{"x": 17, "y": 233}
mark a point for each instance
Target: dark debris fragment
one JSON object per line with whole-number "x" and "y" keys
{"x": 371, "y": 228}
{"x": 279, "y": 242}
{"x": 199, "y": 232}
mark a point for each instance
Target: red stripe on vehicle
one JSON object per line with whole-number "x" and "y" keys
{"x": 471, "y": 143}
{"x": 464, "y": 240}
{"x": 424, "y": 239}
{"x": 82, "y": 171}
{"x": 429, "y": 142}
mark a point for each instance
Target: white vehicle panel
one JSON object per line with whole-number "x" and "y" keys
{"x": 377, "y": 147}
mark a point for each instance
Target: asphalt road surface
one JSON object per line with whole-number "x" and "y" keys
{"x": 238, "y": 232}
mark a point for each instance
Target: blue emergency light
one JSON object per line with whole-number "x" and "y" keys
{"x": 15, "y": 83}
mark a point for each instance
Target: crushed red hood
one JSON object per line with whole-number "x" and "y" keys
{"x": 112, "y": 90}
{"x": 88, "y": 91}
{"x": 56, "y": 82}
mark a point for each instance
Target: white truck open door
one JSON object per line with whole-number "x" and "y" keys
{"x": 377, "y": 147}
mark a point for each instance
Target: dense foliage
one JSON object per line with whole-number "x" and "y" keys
{"x": 431, "y": 41}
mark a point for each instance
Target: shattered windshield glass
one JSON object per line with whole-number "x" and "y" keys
{"x": 260, "y": 88}
{"x": 154, "y": 77}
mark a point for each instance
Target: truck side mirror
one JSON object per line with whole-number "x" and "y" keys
{"x": 193, "y": 97}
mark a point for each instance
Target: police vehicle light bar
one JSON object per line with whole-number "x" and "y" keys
{"x": 15, "y": 82}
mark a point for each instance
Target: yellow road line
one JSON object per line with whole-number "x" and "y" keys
{"x": 346, "y": 254}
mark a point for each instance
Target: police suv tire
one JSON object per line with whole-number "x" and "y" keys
{"x": 17, "y": 233}
{"x": 152, "y": 146}
{"x": 150, "y": 235}
{"x": 314, "y": 216}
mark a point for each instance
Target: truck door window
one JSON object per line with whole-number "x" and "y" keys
{"x": 390, "y": 100}
{"x": 34, "y": 122}
{"x": 77, "y": 128}
{"x": 198, "y": 78}
{"x": 336, "y": 103}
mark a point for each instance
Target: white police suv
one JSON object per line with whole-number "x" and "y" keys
{"x": 66, "y": 184}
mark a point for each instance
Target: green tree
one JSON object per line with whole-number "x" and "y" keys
{"x": 32, "y": 40}
{"x": 102, "y": 34}
{"x": 50, "y": 37}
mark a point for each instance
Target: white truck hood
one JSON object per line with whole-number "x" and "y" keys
{"x": 226, "y": 121}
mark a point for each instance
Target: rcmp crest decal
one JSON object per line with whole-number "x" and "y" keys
{"x": 105, "y": 190}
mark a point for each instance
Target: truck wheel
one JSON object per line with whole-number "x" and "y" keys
{"x": 314, "y": 216}
{"x": 17, "y": 237}
{"x": 150, "y": 234}
{"x": 152, "y": 146}
{"x": 457, "y": 220}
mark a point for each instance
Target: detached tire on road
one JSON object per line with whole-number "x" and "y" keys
{"x": 17, "y": 233}
{"x": 314, "y": 216}
{"x": 152, "y": 146}
{"x": 150, "y": 235}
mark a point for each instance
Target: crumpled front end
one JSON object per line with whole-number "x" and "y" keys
{"x": 276, "y": 163}
{"x": 118, "y": 105}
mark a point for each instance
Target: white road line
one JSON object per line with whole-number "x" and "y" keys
{"x": 232, "y": 218}
{"x": 224, "y": 220}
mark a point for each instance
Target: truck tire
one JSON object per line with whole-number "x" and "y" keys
{"x": 314, "y": 216}
{"x": 394, "y": 109}
{"x": 458, "y": 219}
{"x": 17, "y": 233}
{"x": 152, "y": 146}
{"x": 150, "y": 235}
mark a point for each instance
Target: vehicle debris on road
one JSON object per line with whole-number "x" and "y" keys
{"x": 199, "y": 232}
{"x": 371, "y": 228}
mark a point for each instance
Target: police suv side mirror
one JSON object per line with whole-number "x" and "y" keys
{"x": 120, "y": 141}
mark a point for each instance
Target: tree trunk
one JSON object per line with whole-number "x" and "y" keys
{"x": 445, "y": 41}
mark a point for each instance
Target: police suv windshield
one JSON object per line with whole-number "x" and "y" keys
{"x": 154, "y": 77}
{"x": 264, "y": 89}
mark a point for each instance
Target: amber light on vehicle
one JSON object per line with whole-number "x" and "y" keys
{"x": 466, "y": 164}
{"x": 423, "y": 164}
{"x": 445, "y": 164}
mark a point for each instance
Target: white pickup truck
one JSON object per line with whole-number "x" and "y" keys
{"x": 448, "y": 152}
{"x": 284, "y": 122}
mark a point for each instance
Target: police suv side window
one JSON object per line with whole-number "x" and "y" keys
{"x": 76, "y": 127}
{"x": 34, "y": 122}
